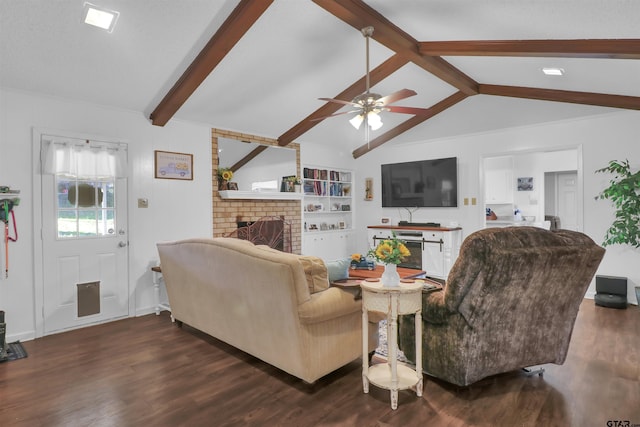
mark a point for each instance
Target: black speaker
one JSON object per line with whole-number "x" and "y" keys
{"x": 611, "y": 291}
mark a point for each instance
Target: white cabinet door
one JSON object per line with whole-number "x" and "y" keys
{"x": 433, "y": 254}
{"x": 498, "y": 186}
{"x": 329, "y": 246}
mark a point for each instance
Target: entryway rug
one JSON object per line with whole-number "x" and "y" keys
{"x": 15, "y": 351}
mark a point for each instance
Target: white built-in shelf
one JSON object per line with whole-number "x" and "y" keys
{"x": 261, "y": 195}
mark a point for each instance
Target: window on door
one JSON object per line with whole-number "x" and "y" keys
{"x": 85, "y": 208}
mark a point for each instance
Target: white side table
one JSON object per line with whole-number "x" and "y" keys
{"x": 405, "y": 299}
{"x": 156, "y": 273}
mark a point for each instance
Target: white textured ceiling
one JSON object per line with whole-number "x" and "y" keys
{"x": 297, "y": 52}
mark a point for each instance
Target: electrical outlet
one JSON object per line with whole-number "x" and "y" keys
{"x": 143, "y": 203}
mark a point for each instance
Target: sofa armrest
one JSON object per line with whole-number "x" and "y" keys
{"x": 328, "y": 304}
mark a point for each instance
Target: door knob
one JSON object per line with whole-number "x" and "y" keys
{"x": 122, "y": 244}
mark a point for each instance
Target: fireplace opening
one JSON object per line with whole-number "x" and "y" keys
{"x": 274, "y": 232}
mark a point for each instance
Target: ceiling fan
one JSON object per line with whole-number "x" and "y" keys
{"x": 369, "y": 105}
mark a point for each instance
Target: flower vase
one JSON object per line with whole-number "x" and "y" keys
{"x": 390, "y": 277}
{"x": 297, "y": 188}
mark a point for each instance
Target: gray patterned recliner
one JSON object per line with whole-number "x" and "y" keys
{"x": 510, "y": 301}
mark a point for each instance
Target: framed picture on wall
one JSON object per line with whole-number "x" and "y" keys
{"x": 170, "y": 165}
{"x": 525, "y": 184}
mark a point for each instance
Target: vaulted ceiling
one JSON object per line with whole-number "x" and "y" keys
{"x": 260, "y": 66}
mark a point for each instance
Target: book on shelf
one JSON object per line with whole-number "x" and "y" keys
{"x": 340, "y": 176}
{"x": 315, "y": 188}
{"x": 312, "y": 173}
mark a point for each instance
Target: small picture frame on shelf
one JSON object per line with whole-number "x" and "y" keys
{"x": 287, "y": 184}
{"x": 324, "y": 226}
{"x": 313, "y": 227}
{"x": 342, "y": 225}
{"x": 233, "y": 185}
{"x": 346, "y": 208}
{"x": 318, "y": 207}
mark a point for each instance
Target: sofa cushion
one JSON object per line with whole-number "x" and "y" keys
{"x": 338, "y": 269}
{"x": 315, "y": 272}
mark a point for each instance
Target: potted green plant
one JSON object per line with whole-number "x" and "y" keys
{"x": 624, "y": 193}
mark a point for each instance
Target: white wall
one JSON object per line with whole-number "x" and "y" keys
{"x": 181, "y": 209}
{"x": 177, "y": 209}
{"x": 602, "y": 138}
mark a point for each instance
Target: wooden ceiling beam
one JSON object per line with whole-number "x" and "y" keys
{"x": 359, "y": 15}
{"x": 378, "y": 74}
{"x": 586, "y": 98}
{"x": 246, "y": 159}
{"x": 586, "y": 48}
{"x": 408, "y": 124}
{"x": 230, "y": 32}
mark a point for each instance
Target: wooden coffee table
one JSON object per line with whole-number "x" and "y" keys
{"x": 352, "y": 284}
{"x": 376, "y": 273}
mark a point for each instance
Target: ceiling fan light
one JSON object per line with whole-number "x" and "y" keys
{"x": 374, "y": 120}
{"x": 356, "y": 121}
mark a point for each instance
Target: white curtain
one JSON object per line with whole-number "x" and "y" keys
{"x": 84, "y": 159}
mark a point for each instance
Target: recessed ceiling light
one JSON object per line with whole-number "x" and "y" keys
{"x": 100, "y": 17}
{"x": 553, "y": 71}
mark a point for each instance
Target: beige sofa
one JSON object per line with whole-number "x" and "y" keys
{"x": 273, "y": 305}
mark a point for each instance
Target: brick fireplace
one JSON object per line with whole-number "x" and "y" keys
{"x": 228, "y": 212}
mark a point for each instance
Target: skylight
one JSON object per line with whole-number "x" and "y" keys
{"x": 100, "y": 17}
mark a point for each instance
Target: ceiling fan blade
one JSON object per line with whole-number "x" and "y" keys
{"x": 396, "y": 96}
{"x": 339, "y": 101}
{"x": 333, "y": 115}
{"x": 409, "y": 110}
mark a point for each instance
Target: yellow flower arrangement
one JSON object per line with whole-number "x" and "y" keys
{"x": 390, "y": 251}
{"x": 225, "y": 174}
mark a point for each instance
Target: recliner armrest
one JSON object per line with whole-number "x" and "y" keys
{"x": 434, "y": 310}
{"x": 328, "y": 304}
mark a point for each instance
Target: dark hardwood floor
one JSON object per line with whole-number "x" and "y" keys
{"x": 145, "y": 371}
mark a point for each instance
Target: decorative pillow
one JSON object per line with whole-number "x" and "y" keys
{"x": 316, "y": 273}
{"x": 338, "y": 269}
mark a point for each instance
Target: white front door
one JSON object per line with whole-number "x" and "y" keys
{"x": 568, "y": 200}
{"x": 85, "y": 251}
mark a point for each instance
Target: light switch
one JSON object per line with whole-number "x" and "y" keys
{"x": 473, "y": 201}
{"x": 466, "y": 201}
{"x": 143, "y": 203}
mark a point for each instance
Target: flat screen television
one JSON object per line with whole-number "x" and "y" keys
{"x": 423, "y": 183}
